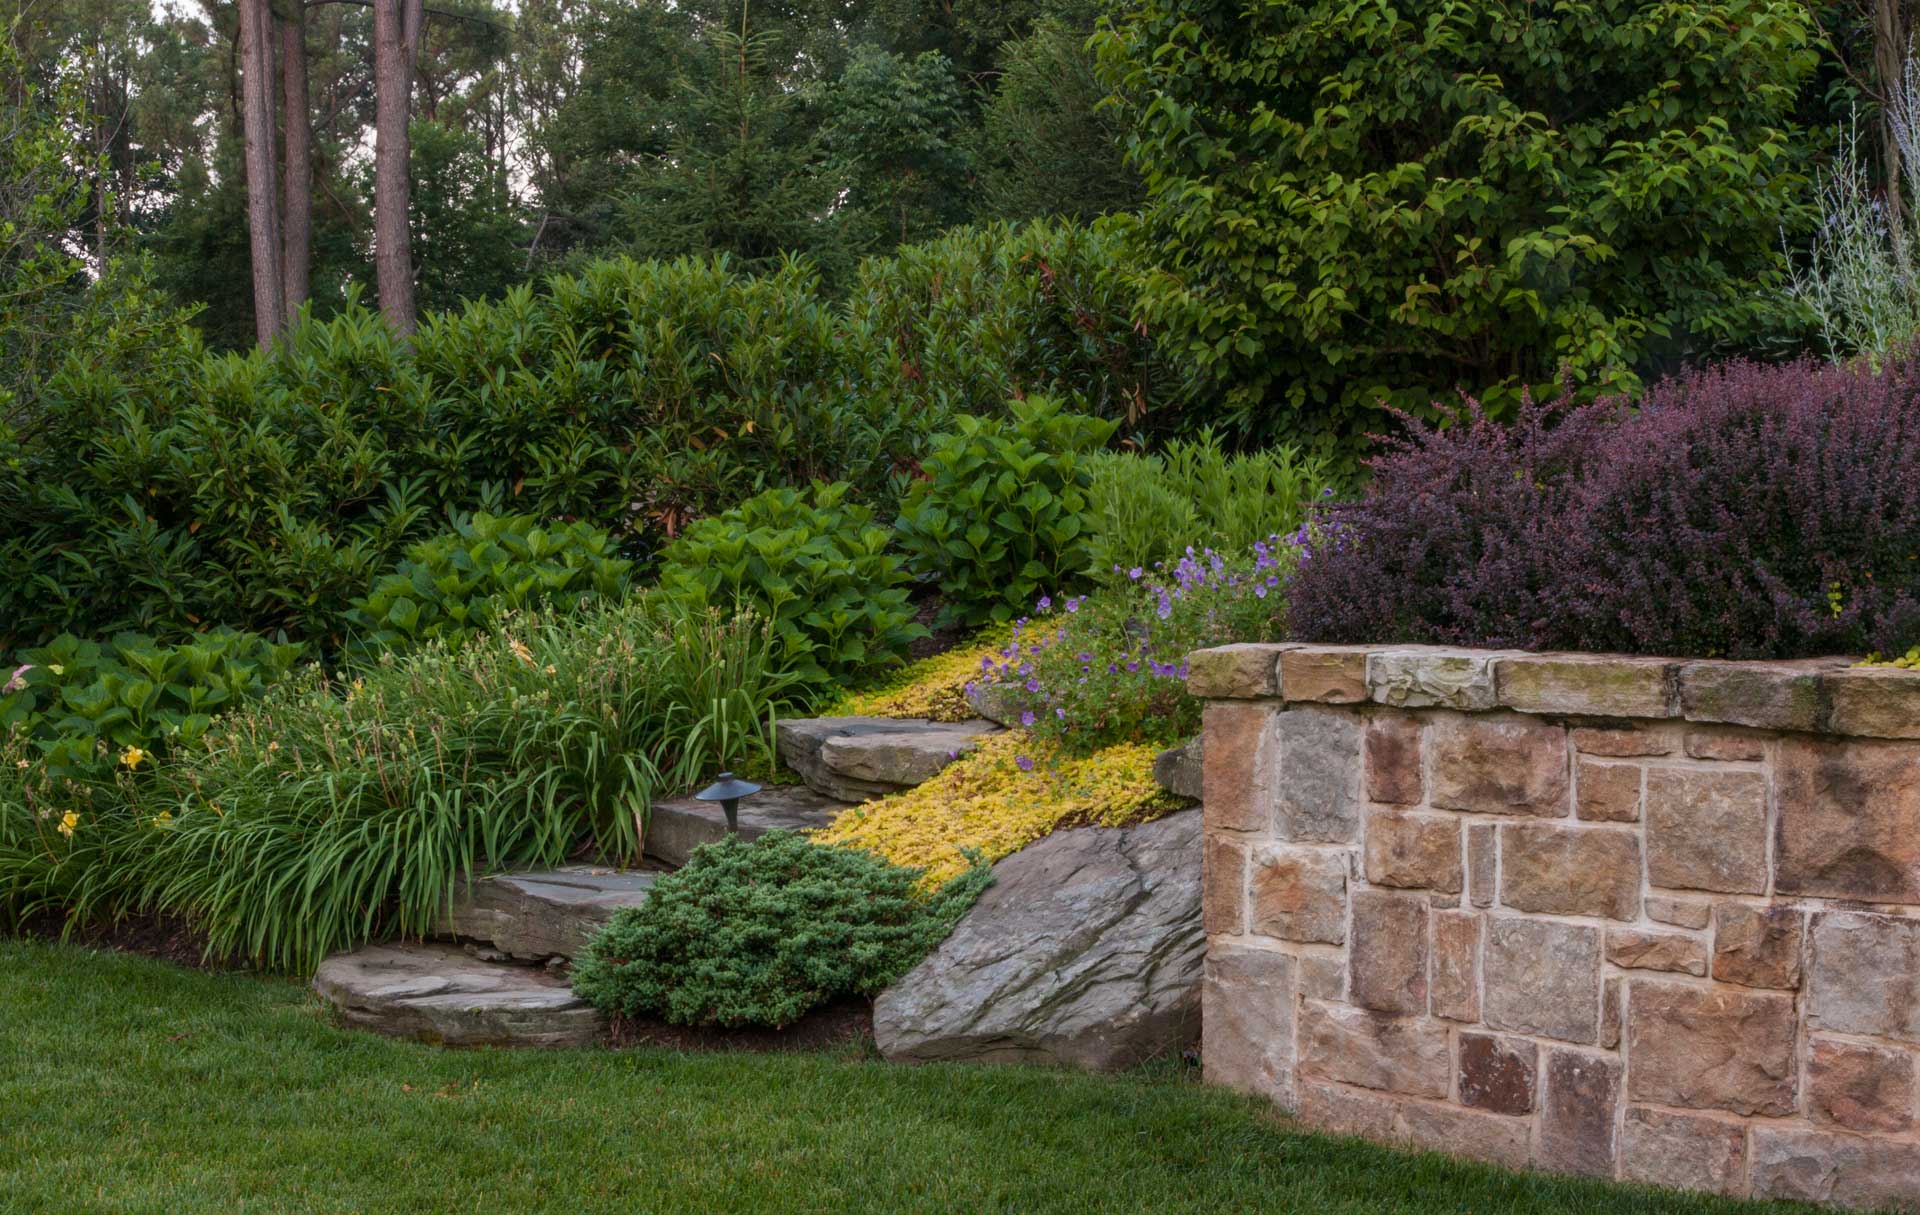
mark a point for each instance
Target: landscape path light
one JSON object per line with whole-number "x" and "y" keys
{"x": 728, "y": 791}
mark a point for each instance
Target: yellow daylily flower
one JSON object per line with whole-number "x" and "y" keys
{"x": 133, "y": 757}
{"x": 68, "y": 822}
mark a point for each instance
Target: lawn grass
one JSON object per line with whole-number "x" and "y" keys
{"x": 129, "y": 1085}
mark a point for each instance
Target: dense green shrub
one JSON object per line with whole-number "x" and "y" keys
{"x": 326, "y": 814}
{"x": 761, "y": 932}
{"x": 1352, "y": 202}
{"x": 816, "y": 566}
{"x": 87, "y": 705}
{"x": 462, "y": 581}
{"x": 1001, "y": 512}
{"x": 167, "y": 491}
{"x": 1143, "y": 510}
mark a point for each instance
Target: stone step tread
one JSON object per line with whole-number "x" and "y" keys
{"x": 679, "y": 826}
{"x": 858, "y": 758}
{"x": 547, "y": 913}
{"x": 437, "y": 993}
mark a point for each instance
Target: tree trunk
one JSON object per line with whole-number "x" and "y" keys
{"x": 263, "y": 207}
{"x": 396, "y": 42}
{"x": 1891, "y": 37}
{"x": 296, "y": 190}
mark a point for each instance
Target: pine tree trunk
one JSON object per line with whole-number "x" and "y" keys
{"x": 396, "y": 42}
{"x": 263, "y": 205}
{"x": 297, "y": 183}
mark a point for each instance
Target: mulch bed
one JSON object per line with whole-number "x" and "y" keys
{"x": 847, "y": 1024}
{"x": 937, "y": 640}
{"x": 162, "y": 937}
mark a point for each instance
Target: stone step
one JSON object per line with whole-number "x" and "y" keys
{"x": 436, "y": 993}
{"x": 858, "y": 758}
{"x": 544, "y": 914}
{"x": 679, "y": 826}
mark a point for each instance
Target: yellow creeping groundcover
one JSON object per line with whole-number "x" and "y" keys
{"x": 934, "y": 688}
{"x": 1008, "y": 791}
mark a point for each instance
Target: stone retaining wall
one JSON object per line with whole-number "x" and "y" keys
{"x": 1633, "y": 918}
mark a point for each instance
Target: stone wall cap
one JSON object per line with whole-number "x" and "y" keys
{"x": 1803, "y": 695}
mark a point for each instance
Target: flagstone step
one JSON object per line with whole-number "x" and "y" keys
{"x": 437, "y": 993}
{"x": 543, "y": 914}
{"x": 679, "y": 826}
{"x": 858, "y": 758}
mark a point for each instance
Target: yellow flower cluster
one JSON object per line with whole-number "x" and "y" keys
{"x": 934, "y": 688}
{"x": 991, "y": 803}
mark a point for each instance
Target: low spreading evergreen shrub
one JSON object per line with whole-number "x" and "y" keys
{"x": 761, "y": 932}
{"x": 1743, "y": 512}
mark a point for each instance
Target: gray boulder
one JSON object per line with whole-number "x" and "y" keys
{"x": 1086, "y": 951}
{"x": 543, "y": 914}
{"x": 859, "y": 758}
{"x": 679, "y": 826}
{"x": 436, "y": 993}
{"x": 993, "y": 701}
{"x": 1177, "y": 769}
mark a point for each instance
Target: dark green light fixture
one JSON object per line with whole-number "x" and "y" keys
{"x": 728, "y": 791}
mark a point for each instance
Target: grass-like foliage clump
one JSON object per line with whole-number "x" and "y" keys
{"x": 1004, "y": 793}
{"x": 761, "y": 932}
{"x": 331, "y": 812}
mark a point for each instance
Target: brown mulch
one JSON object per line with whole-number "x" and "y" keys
{"x": 163, "y": 937}
{"x": 845, "y": 1025}
{"x": 937, "y": 640}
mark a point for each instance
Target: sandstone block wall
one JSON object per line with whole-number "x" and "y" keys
{"x": 1632, "y": 918}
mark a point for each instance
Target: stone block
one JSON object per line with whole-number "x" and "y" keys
{"x": 1570, "y": 871}
{"x": 1580, "y": 1113}
{"x": 1612, "y": 992}
{"x": 1767, "y": 696}
{"x": 1635, "y": 949}
{"x": 1707, "y": 1049}
{"x": 1497, "y": 1074}
{"x": 1387, "y": 956}
{"x": 1683, "y": 1151}
{"x": 1483, "y": 862}
{"x": 1416, "y": 851}
{"x": 1727, "y": 747}
{"x": 1181, "y": 770}
{"x": 1247, "y": 1004}
{"x": 1864, "y": 975}
{"x": 1588, "y": 685}
{"x": 1622, "y": 742}
{"x": 1757, "y": 946}
{"x": 1860, "y": 1087}
{"x": 1499, "y": 767}
{"x": 1707, "y": 830}
{"x": 1224, "y": 885}
{"x": 1238, "y": 764}
{"x": 1873, "y": 702}
{"x": 1374, "y": 1050}
{"x": 1299, "y": 894}
{"x": 1820, "y": 1166}
{"x": 1432, "y": 679}
{"x": 1334, "y": 675}
{"x": 1681, "y": 913}
{"x": 1322, "y": 976}
{"x": 1393, "y": 760}
{"x": 1607, "y": 793}
{"x": 1316, "y": 798}
{"x": 1542, "y": 977}
{"x": 1425, "y": 1125}
{"x": 1456, "y": 966}
{"x": 1233, "y": 672}
{"x": 1849, "y": 824}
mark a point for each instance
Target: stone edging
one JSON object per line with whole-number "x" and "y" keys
{"x": 1816, "y": 695}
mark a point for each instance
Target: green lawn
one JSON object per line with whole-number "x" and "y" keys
{"x": 130, "y": 1085}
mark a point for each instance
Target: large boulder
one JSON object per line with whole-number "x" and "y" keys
{"x": 677, "y": 827}
{"x": 1177, "y": 769}
{"x": 858, "y": 758}
{"x": 1086, "y": 950}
